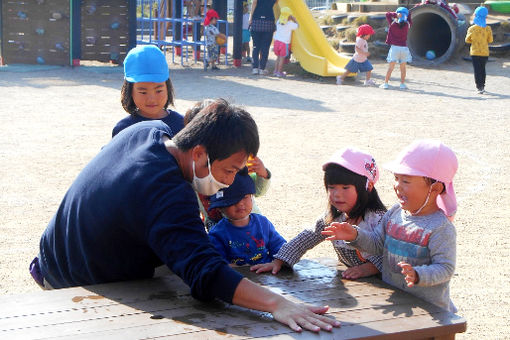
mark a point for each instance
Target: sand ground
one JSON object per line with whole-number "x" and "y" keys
{"x": 54, "y": 120}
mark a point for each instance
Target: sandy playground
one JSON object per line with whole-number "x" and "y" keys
{"x": 55, "y": 119}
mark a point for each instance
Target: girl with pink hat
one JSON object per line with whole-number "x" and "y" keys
{"x": 349, "y": 178}
{"x": 416, "y": 236}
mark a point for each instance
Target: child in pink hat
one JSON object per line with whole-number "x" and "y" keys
{"x": 416, "y": 236}
{"x": 349, "y": 178}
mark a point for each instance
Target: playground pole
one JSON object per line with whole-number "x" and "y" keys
{"x": 238, "y": 32}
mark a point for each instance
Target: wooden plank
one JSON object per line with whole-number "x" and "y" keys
{"x": 163, "y": 308}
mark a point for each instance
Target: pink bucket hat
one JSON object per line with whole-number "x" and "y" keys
{"x": 357, "y": 161}
{"x": 430, "y": 158}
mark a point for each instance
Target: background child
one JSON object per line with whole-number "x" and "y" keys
{"x": 284, "y": 27}
{"x": 260, "y": 175}
{"x": 479, "y": 36}
{"x": 415, "y": 237}
{"x": 147, "y": 90}
{"x": 349, "y": 178}
{"x": 400, "y": 22}
{"x": 242, "y": 237}
{"x": 246, "y": 32}
{"x": 210, "y": 33}
{"x": 359, "y": 61}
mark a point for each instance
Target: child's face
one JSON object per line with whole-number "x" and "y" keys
{"x": 150, "y": 98}
{"x": 411, "y": 192}
{"x": 214, "y": 21}
{"x": 245, "y": 9}
{"x": 342, "y": 196}
{"x": 240, "y": 210}
{"x": 366, "y": 36}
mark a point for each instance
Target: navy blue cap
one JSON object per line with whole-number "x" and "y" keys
{"x": 146, "y": 63}
{"x": 243, "y": 184}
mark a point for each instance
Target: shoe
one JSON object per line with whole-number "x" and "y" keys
{"x": 369, "y": 82}
{"x": 278, "y": 74}
{"x": 481, "y": 91}
{"x": 263, "y": 72}
{"x": 339, "y": 80}
{"x": 403, "y": 86}
{"x": 255, "y": 71}
{"x": 384, "y": 86}
{"x": 215, "y": 68}
{"x": 248, "y": 59}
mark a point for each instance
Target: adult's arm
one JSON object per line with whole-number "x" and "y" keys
{"x": 252, "y": 10}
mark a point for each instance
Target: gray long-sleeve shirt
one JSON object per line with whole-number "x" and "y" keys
{"x": 428, "y": 243}
{"x": 292, "y": 251}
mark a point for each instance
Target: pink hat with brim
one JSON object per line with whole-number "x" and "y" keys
{"x": 432, "y": 159}
{"x": 356, "y": 161}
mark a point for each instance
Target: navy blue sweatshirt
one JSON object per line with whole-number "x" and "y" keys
{"x": 174, "y": 120}
{"x": 129, "y": 211}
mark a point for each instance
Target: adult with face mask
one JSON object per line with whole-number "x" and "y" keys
{"x": 134, "y": 208}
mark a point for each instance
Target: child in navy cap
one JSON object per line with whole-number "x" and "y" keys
{"x": 240, "y": 236}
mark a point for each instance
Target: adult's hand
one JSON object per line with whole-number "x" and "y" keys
{"x": 297, "y": 316}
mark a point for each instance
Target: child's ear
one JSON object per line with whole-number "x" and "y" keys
{"x": 437, "y": 188}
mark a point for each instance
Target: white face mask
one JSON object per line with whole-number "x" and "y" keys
{"x": 207, "y": 185}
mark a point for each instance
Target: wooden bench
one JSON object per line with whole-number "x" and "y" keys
{"x": 163, "y": 308}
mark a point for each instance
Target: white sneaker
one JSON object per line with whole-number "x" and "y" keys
{"x": 369, "y": 82}
{"x": 255, "y": 71}
{"x": 384, "y": 86}
{"x": 263, "y": 72}
{"x": 339, "y": 80}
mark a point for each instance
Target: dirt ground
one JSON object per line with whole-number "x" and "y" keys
{"x": 55, "y": 119}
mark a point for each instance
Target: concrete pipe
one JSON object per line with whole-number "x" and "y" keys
{"x": 435, "y": 29}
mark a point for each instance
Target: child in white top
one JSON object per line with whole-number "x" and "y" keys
{"x": 349, "y": 178}
{"x": 246, "y": 32}
{"x": 359, "y": 61}
{"x": 416, "y": 236}
{"x": 284, "y": 27}
{"x": 210, "y": 33}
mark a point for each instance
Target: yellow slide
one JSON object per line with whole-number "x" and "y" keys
{"x": 309, "y": 45}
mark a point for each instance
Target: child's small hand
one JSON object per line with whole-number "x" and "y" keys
{"x": 257, "y": 166}
{"x": 274, "y": 267}
{"x": 411, "y": 276}
{"x": 340, "y": 231}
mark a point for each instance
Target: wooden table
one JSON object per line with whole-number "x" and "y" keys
{"x": 163, "y": 308}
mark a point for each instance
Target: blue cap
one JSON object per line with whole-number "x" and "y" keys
{"x": 243, "y": 184}
{"x": 480, "y": 16}
{"x": 146, "y": 63}
{"x": 404, "y": 12}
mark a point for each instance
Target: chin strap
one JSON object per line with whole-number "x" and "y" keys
{"x": 424, "y": 204}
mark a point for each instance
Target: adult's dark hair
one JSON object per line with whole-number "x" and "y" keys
{"x": 367, "y": 200}
{"x": 223, "y": 129}
{"x": 126, "y": 96}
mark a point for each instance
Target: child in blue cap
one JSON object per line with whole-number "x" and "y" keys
{"x": 479, "y": 36}
{"x": 147, "y": 90}
{"x": 400, "y": 22}
{"x": 242, "y": 237}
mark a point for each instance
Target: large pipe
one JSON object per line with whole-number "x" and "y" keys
{"x": 435, "y": 29}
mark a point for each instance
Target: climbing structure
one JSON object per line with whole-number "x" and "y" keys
{"x": 173, "y": 26}
{"x": 59, "y": 32}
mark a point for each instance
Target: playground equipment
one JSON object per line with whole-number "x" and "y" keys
{"x": 166, "y": 24}
{"x": 309, "y": 45}
{"x": 435, "y": 28}
{"x": 65, "y": 32}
